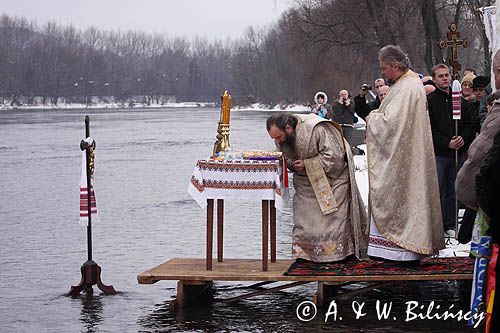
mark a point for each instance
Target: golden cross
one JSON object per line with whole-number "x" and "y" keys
{"x": 453, "y": 42}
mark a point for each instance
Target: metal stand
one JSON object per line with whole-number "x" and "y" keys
{"x": 91, "y": 271}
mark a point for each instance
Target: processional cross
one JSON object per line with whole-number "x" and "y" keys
{"x": 454, "y": 42}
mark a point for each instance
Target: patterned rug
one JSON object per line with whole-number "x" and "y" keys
{"x": 428, "y": 266}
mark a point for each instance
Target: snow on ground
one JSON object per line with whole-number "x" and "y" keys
{"x": 278, "y": 108}
{"x": 102, "y": 105}
{"x": 453, "y": 247}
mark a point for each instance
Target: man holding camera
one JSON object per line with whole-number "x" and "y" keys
{"x": 361, "y": 107}
{"x": 343, "y": 114}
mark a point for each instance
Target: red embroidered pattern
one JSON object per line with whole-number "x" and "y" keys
{"x": 377, "y": 241}
{"x": 238, "y": 166}
{"x": 239, "y": 185}
{"x": 197, "y": 184}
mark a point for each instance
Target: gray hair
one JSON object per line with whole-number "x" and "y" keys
{"x": 393, "y": 54}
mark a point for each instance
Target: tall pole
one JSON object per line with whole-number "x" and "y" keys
{"x": 89, "y": 194}
{"x": 90, "y": 270}
{"x": 456, "y": 173}
{"x": 456, "y": 93}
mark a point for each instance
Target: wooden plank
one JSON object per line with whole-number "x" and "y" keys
{"x": 220, "y": 229}
{"x": 265, "y": 291}
{"x": 250, "y": 270}
{"x": 272, "y": 218}
{"x": 210, "y": 233}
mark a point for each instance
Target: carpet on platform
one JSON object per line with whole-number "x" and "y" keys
{"x": 428, "y": 266}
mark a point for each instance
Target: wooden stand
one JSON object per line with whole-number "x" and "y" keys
{"x": 91, "y": 275}
{"x": 268, "y": 219}
{"x": 91, "y": 271}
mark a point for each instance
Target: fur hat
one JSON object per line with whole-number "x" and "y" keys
{"x": 318, "y": 94}
{"x": 480, "y": 81}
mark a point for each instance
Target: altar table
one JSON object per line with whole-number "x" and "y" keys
{"x": 237, "y": 180}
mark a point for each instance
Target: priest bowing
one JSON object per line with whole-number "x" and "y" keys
{"x": 328, "y": 212}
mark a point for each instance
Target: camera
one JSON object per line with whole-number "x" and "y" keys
{"x": 366, "y": 87}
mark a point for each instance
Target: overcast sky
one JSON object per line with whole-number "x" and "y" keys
{"x": 205, "y": 18}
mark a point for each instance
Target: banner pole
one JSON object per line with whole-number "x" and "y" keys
{"x": 456, "y": 174}
{"x": 89, "y": 196}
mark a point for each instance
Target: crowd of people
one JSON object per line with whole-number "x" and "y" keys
{"x": 414, "y": 150}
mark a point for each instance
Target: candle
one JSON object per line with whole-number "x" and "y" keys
{"x": 226, "y": 105}
{"x": 229, "y": 102}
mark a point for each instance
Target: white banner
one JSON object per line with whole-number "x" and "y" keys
{"x": 489, "y": 18}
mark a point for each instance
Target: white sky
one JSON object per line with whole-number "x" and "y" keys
{"x": 205, "y": 18}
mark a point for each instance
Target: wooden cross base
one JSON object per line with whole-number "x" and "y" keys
{"x": 91, "y": 275}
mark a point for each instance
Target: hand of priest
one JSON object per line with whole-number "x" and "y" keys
{"x": 298, "y": 165}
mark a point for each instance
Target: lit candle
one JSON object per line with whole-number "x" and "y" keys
{"x": 229, "y": 103}
{"x": 225, "y": 110}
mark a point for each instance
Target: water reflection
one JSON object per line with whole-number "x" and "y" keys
{"x": 276, "y": 312}
{"x": 91, "y": 314}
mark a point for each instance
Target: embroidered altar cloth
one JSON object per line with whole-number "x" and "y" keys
{"x": 240, "y": 179}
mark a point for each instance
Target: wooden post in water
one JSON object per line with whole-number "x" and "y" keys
{"x": 91, "y": 271}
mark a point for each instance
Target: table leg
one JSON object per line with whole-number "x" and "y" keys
{"x": 210, "y": 232}
{"x": 265, "y": 241}
{"x": 272, "y": 218}
{"x": 220, "y": 229}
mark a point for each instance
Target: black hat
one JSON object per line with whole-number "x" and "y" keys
{"x": 480, "y": 81}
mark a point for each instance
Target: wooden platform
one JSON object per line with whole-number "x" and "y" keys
{"x": 191, "y": 269}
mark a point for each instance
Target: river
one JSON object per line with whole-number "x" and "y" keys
{"x": 144, "y": 160}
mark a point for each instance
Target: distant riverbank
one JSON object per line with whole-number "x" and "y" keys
{"x": 104, "y": 105}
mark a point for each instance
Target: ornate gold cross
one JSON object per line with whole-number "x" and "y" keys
{"x": 454, "y": 42}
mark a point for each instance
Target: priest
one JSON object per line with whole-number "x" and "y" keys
{"x": 328, "y": 212}
{"x": 404, "y": 208}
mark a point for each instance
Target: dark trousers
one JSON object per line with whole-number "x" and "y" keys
{"x": 347, "y": 131}
{"x": 446, "y": 177}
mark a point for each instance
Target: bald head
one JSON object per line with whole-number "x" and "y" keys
{"x": 382, "y": 92}
{"x": 343, "y": 93}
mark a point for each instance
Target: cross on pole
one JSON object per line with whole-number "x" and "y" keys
{"x": 453, "y": 43}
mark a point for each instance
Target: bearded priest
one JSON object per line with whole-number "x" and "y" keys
{"x": 328, "y": 213}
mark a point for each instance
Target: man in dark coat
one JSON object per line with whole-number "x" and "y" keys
{"x": 446, "y": 141}
{"x": 343, "y": 114}
{"x": 361, "y": 107}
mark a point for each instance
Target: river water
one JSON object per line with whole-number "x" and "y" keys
{"x": 144, "y": 160}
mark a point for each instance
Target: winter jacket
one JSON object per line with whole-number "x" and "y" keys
{"x": 465, "y": 183}
{"x": 443, "y": 125}
{"x": 362, "y": 108}
{"x": 488, "y": 185}
{"x": 342, "y": 114}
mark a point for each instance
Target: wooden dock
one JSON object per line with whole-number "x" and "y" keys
{"x": 191, "y": 269}
{"x": 193, "y": 277}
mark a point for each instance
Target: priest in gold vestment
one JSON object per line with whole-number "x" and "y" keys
{"x": 404, "y": 208}
{"x": 328, "y": 212}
